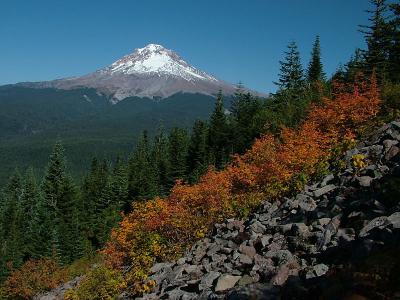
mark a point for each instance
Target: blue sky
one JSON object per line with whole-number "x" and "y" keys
{"x": 235, "y": 40}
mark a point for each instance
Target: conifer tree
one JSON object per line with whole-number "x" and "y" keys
{"x": 315, "y": 72}
{"x": 30, "y": 223}
{"x": 246, "y": 123}
{"x": 219, "y": 146}
{"x": 61, "y": 200}
{"x": 197, "y": 160}
{"x": 291, "y": 78}
{"x": 177, "y": 153}
{"x": 12, "y": 247}
{"x": 142, "y": 180}
{"x": 160, "y": 160}
{"x": 394, "y": 49}
{"x": 377, "y": 39}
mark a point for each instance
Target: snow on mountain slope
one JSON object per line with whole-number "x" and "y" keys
{"x": 152, "y": 71}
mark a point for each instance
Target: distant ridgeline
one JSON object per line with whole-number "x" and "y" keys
{"x": 87, "y": 123}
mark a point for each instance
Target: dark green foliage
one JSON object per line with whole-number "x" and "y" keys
{"x": 197, "y": 158}
{"x": 219, "y": 146}
{"x": 247, "y": 121}
{"x": 177, "y": 152}
{"x": 62, "y": 204}
{"x": 315, "y": 70}
{"x": 394, "y": 48}
{"x": 161, "y": 163}
{"x": 291, "y": 77}
{"x": 142, "y": 177}
{"x": 11, "y": 242}
{"x": 31, "y": 120}
{"x": 377, "y": 37}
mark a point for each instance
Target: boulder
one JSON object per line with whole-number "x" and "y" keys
{"x": 226, "y": 282}
{"x": 324, "y": 190}
{"x": 378, "y": 222}
{"x": 250, "y": 251}
{"x": 364, "y": 181}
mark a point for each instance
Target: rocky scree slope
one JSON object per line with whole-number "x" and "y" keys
{"x": 338, "y": 238}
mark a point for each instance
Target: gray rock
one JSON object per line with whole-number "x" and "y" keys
{"x": 317, "y": 271}
{"x": 324, "y": 190}
{"x": 394, "y": 219}
{"x": 281, "y": 276}
{"x": 327, "y": 179}
{"x": 364, "y": 181}
{"x": 159, "y": 267}
{"x": 393, "y": 151}
{"x": 226, "y": 282}
{"x": 389, "y": 143}
{"x": 375, "y": 223}
{"x": 247, "y": 250}
{"x": 245, "y": 260}
{"x": 245, "y": 280}
{"x": 257, "y": 227}
{"x": 208, "y": 280}
{"x": 395, "y": 124}
{"x": 283, "y": 256}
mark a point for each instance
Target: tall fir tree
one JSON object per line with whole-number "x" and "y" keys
{"x": 291, "y": 76}
{"x": 12, "y": 243}
{"x": 219, "y": 145}
{"x": 197, "y": 159}
{"x": 160, "y": 160}
{"x": 62, "y": 202}
{"x": 177, "y": 153}
{"x": 394, "y": 50}
{"x": 377, "y": 37}
{"x": 142, "y": 178}
{"x": 245, "y": 120}
{"x": 315, "y": 72}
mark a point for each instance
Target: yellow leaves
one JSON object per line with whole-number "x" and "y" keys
{"x": 100, "y": 283}
{"x": 358, "y": 161}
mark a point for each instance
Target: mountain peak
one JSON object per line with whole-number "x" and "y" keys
{"x": 151, "y": 71}
{"x": 155, "y": 60}
{"x": 151, "y": 47}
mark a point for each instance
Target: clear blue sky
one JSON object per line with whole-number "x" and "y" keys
{"x": 235, "y": 40}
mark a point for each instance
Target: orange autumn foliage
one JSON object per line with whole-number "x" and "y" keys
{"x": 162, "y": 229}
{"x": 35, "y": 276}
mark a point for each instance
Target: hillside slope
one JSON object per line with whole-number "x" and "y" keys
{"x": 334, "y": 239}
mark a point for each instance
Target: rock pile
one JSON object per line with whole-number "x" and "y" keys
{"x": 291, "y": 246}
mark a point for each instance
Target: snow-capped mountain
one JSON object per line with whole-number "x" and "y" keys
{"x": 152, "y": 71}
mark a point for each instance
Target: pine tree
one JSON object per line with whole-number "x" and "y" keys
{"x": 219, "y": 146}
{"x": 377, "y": 39}
{"x": 354, "y": 66}
{"x": 246, "y": 121}
{"x": 160, "y": 160}
{"x": 94, "y": 199}
{"x": 177, "y": 153}
{"x": 117, "y": 189}
{"x": 315, "y": 72}
{"x": 11, "y": 245}
{"x": 62, "y": 203}
{"x": 29, "y": 201}
{"x": 197, "y": 159}
{"x": 394, "y": 49}
{"x": 291, "y": 78}
{"x": 142, "y": 179}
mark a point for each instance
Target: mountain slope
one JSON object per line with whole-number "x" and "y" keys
{"x": 152, "y": 71}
